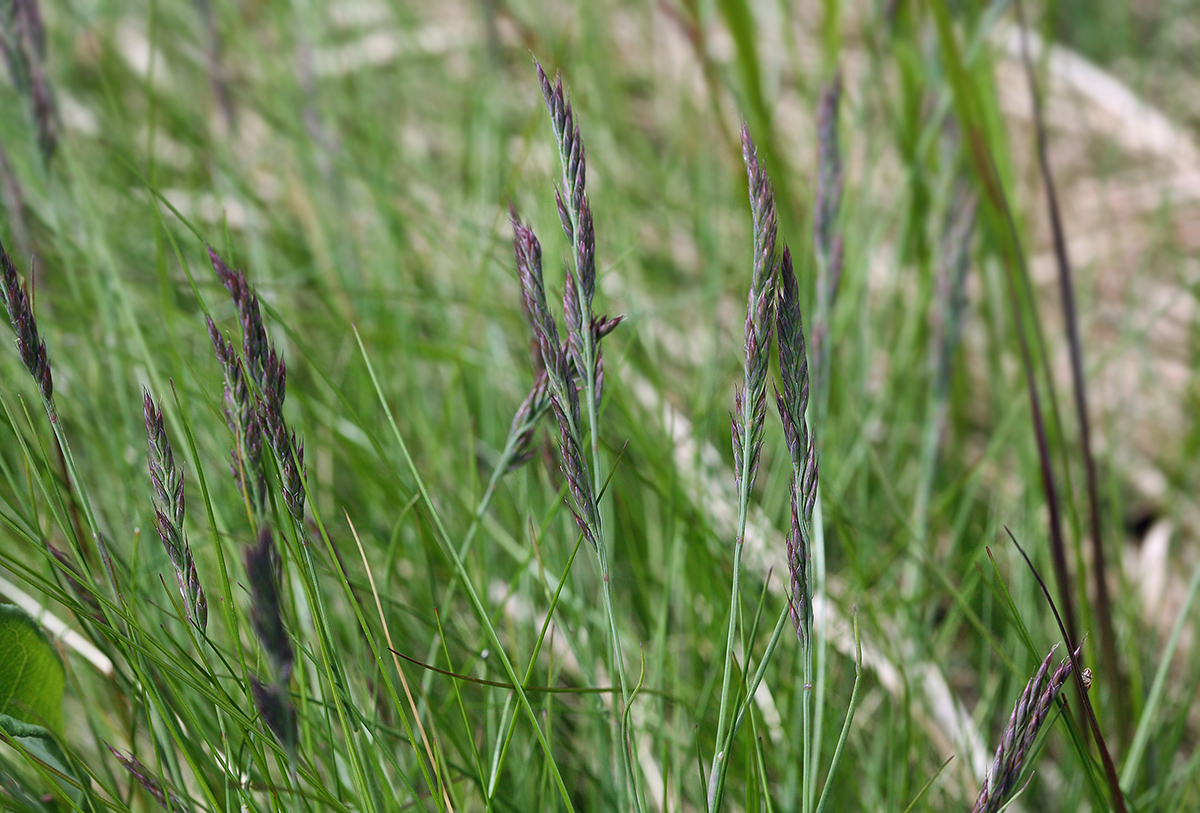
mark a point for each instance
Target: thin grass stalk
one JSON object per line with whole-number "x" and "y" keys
{"x": 1108, "y": 639}
{"x": 957, "y": 233}
{"x": 1019, "y": 289}
{"x": 847, "y": 722}
{"x": 476, "y": 604}
{"x": 748, "y": 421}
{"x": 829, "y": 255}
{"x": 537, "y": 648}
{"x": 1082, "y": 684}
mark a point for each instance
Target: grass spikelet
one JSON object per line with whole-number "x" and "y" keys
{"x": 263, "y": 572}
{"x": 145, "y": 778}
{"x": 560, "y": 380}
{"x": 278, "y": 712}
{"x": 272, "y": 699}
{"x": 169, "y": 512}
{"x": 242, "y": 419}
{"x": 751, "y": 399}
{"x": 1027, "y": 717}
{"x": 23, "y": 46}
{"x": 792, "y": 403}
{"x": 20, "y": 316}
{"x": 827, "y": 238}
{"x": 269, "y": 374}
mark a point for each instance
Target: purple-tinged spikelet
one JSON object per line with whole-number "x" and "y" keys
{"x": 23, "y": 46}
{"x": 267, "y": 371}
{"x": 242, "y": 419}
{"x": 525, "y": 423}
{"x": 560, "y": 378}
{"x": 575, "y": 214}
{"x": 533, "y": 292}
{"x": 169, "y": 512}
{"x": 273, "y": 701}
{"x": 1027, "y": 717}
{"x": 275, "y": 705}
{"x": 147, "y": 780}
{"x": 573, "y": 209}
{"x": 801, "y": 443}
{"x": 827, "y": 239}
{"x": 263, "y": 574}
{"x": 750, "y": 401}
{"x": 20, "y": 316}
{"x": 829, "y": 169}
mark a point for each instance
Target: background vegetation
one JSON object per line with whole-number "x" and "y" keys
{"x": 357, "y": 159}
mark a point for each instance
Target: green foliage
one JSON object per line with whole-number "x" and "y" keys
{"x": 31, "y": 677}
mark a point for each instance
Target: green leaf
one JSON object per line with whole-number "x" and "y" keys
{"x": 31, "y": 677}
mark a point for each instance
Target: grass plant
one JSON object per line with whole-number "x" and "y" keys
{"x": 453, "y": 541}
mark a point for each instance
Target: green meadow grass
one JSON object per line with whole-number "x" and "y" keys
{"x": 357, "y": 162}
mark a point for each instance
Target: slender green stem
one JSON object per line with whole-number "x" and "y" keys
{"x": 456, "y": 560}
{"x": 837, "y": 751}
{"x": 716, "y": 773}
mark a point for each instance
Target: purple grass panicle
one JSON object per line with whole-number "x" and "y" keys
{"x": 268, "y": 373}
{"x": 263, "y": 571}
{"x": 575, "y": 215}
{"x": 272, "y": 699}
{"x": 560, "y": 379}
{"x": 792, "y": 403}
{"x": 274, "y": 703}
{"x": 146, "y": 778}
{"x": 23, "y": 48}
{"x": 1027, "y": 717}
{"x": 169, "y": 512}
{"x": 827, "y": 237}
{"x": 751, "y": 399}
{"x": 242, "y": 419}
{"x": 20, "y": 316}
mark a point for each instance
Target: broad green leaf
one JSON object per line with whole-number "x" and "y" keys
{"x": 31, "y": 677}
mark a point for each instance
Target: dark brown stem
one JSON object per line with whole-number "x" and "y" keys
{"x": 1108, "y": 643}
